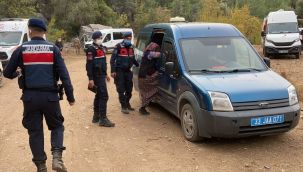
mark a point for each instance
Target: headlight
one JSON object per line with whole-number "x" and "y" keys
{"x": 220, "y": 101}
{"x": 292, "y": 95}
{"x": 268, "y": 40}
{"x": 297, "y": 40}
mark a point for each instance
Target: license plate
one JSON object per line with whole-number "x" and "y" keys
{"x": 283, "y": 51}
{"x": 267, "y": 120}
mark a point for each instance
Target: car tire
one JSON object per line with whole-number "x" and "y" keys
{"x": 298, "y": 56}
{"x": 264, "y": 52}
{"x": 189, "y": 123}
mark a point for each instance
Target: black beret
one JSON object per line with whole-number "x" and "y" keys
{"x": 37, "y": 23}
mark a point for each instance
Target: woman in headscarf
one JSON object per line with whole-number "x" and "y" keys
{"x": 148, "y": 76}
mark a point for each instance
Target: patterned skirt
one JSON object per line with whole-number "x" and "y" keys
{"x": 148, "y": 88}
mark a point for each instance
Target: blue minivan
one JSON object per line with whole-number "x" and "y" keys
{"x": 216, "y": 83}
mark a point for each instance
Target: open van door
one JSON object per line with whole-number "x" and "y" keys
{"x": 144, "y": 39}
{"x": 142, "y": 42}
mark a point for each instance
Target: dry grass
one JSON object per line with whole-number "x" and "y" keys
{"x": 290, "y": 69}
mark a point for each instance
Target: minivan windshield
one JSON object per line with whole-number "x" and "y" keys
{"x": 10, "y": 38}
{"x": 277, "y": 28}
{"x": 224, "y": 54}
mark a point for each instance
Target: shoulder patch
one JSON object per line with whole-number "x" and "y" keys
{"x": 89, "y": 56}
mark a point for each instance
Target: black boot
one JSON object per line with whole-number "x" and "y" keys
{"x": 96, "y": 118}
{"x": 129, "y": 107}
{"x": 105, "y": 122}
{"x": 124, "y": 110}
{"x": 41, "y": 167}
{"x": 143, "y": 111}
{"x": 58, "y": 164}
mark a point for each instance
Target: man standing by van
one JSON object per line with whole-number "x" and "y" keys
{"x": 97, "y": 74}
{"x": 122, "y": 60}
{"x": 41, "y": 66}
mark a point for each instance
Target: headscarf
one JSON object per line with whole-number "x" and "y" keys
{"x": 152, "y": 47}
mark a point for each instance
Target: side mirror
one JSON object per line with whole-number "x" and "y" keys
{"x": 267, "y": 61}
{"x": 263, "y": 33}
{"x": 169, "y": 67}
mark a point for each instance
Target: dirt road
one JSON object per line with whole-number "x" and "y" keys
{"x": 140, "y": 143}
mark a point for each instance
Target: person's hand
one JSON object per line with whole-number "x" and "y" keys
{"x": 107, "y": 78}
{"x": 71, "y": 103}
{"x": 91, "y": 84}
{"x": 114, "y": 74}
{"x": 19, "y": 71}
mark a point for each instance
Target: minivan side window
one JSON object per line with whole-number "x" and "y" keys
{"x": 107, "y": 38}
{"x": 142, "y": 42}
{"x": 169, "y": 55}
{"x": 24, "y": 38}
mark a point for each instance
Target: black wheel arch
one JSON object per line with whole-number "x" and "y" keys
{"x": 190, "y": 98}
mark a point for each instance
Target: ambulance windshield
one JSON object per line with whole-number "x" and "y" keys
{"x": 10, "y": 38}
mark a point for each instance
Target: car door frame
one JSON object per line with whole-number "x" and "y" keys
{"x": 167, "y": 97}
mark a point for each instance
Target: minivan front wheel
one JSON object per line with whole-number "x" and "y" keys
{"x": 189, "y": 123}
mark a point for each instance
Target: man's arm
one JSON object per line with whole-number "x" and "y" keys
{"x": 14, "y": 63}
{"x": 89, "y": 63}
{"x": 113, "y": 60}
{"x": 64, "y": 75}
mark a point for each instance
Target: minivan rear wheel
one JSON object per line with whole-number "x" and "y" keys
{"x": 189, "y": 123}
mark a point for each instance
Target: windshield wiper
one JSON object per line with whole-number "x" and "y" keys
{"x": 205, "y": 71}
{"x": 244, "y": 70}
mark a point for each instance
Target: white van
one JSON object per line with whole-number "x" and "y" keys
{"x": 281, "y": 34}
{"x": 111, "y": 37}
{"x": 13, "y": 32}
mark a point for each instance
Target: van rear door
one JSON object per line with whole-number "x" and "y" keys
{"x": 142, "y": 42}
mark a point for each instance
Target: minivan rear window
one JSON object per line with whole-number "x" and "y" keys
{"x": 220, "y": 54}
{"x": 118, "y": 35}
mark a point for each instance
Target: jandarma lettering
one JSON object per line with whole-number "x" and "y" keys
{"x": 37, "y": 48}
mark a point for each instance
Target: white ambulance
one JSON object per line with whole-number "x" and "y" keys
{"x": 111, "y": 37}
{"x": 13, "y": 32}
{"x": 281, "y": 34}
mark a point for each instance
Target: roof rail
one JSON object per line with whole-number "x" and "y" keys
{"x": 12, "y": 19}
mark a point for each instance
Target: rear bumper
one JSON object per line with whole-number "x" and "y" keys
{"x": 237, "y": 124}
{"x": 282, "y": 50}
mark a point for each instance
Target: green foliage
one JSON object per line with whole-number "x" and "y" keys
{"x": 71, "y": 14}
{"x": 249, "y": 25}
{"x": 186, "y": 8}
{"x": 299, "y": 8}
{"x": 17, "y": 8}
{"x": 53, "y": 33}
{"x": 149, "y": 12}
